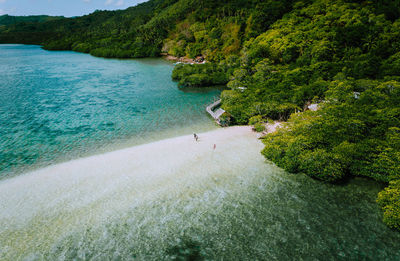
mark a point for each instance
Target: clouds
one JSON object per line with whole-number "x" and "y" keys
{"x": 116, "y": 3}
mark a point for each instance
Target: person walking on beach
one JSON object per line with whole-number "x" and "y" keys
{"x": 215, "y": 146}
{"x": 195, "y": 136}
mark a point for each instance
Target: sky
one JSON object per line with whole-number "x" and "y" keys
{"x": 66, "y": 8}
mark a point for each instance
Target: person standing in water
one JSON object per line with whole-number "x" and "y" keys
{"x": 195, "y": 136}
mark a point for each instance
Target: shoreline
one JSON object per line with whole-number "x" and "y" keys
{"x": 184, "y": 60}
{"x": 207, "y": 138}
{"x": 54, "y": 201}
{"x": 146, "y": 195}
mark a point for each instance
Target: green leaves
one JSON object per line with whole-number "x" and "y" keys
{"x": 389, "y": 200}
{"x": 352, "y": 134}
{"x": 198, "y": 75}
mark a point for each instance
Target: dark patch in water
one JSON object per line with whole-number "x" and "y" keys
{"x": 185, "y": 250}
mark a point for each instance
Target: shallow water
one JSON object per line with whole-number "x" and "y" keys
{"x": 182, "y": 199}
{"x": 56, "y": 106}
{"x": 161, "y": 201}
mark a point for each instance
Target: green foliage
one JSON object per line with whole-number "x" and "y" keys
{"x": 179, "y": 27}
{"x": 258, "y": 122}
{"x": 320, "y": 164}
{"x": 220, "y": 29}
{"x": 386, "y": 161}
{"x": 12, "y": 20}
{"x": 354, "y": 133}
{"x": 391, "y": 66}
{"x": 344, "y": 55}
{"x": 225, "y": 119}
{"x": 259, "y": 127}
{"x": 198, "y": 75}
{"x": 389, "y": 200}
{"x": 239, "y": 113}
{"x": 347, "y": 135}
{"x": 293, "y": 62}
{"x": 255, "y": 119}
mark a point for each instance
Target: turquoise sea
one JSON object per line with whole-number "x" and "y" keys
{"x": 56, "y": 106}
{"x": 169, "y": 200}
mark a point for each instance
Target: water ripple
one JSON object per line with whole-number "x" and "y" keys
{"x": 56, "y": 106}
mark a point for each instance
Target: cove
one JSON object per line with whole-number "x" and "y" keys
{"x": 57, "y": 106}
{"x": 168, "y": 197}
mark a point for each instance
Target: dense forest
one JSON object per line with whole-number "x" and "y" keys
{"x": 275, "y": 57}
{"x": 6, "y": 20}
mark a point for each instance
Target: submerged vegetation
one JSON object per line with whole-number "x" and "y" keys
{"x": 276, "y": 57}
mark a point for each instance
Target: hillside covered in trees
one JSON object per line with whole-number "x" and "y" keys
{"x": 275, "y": 58}
{"x": 7, "y": 20}
{"x": 184, "y": 27}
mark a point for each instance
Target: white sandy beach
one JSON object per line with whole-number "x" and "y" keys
{"x": 175, "y": 195}
{"x": 44, "y": 204}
